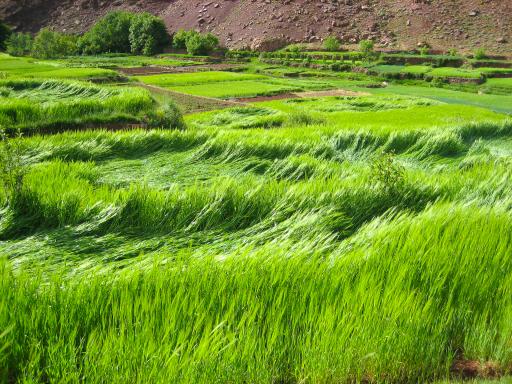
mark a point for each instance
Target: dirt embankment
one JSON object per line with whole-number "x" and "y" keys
{"x": 268, "y": 24}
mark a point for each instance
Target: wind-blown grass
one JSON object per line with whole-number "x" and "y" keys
{"x": 33, "y": 105}
{"x": 401, "y": 304}
{"x": 338, "y": 239}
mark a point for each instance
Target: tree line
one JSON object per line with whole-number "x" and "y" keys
{"x": 117, "y": 32}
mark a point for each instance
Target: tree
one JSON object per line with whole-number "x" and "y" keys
{"x": 5, "y": 32}
{"x": 19, "y": 44}
{"x": 111, "y": 34}
{"x": 148, "y": 34}
{"x": 332, "y": 44}
{"x": 49, "y": 44}
{"x": 180, "y": 38}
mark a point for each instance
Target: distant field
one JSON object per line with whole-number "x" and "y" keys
{"x": 124, "y": 61}
{"x": 31, "y": 68}
{"x": 185, "y": 79}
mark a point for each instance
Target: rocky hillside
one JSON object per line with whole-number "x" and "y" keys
{"x": 461, "y": 24}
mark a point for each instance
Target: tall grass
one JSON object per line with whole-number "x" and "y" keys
{"x": 38, "y": 105}
{"x": 260, "y": 247}
{"x": 400, "y": 303}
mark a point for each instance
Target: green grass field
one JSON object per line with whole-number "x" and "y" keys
{"x": 39, "y": 106}
{"x": 358, "y": 237}
{"x": 30, "y": 68}
{"x": 124, "y": 61}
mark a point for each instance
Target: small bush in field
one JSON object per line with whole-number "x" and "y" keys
{"x": 388, "y": 173}
{"x": 366, "y": 46}
{"x": 195, "y": 43}
{"x": 332, "y": 44}
{"x": 167, "y": 117}
{"x": 12, "y": 166}
{"x": 480, "y": 54}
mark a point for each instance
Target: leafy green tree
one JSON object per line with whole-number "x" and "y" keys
{"x": 111, "y": 34}
{"x": 5, "y": 32}
{"x": 49, "y": 44}
{"x": 148, "y": 34}
{"x": 180, "y": 38}
{"x": 19, "y": 44}
{"x": 332, "y": 44}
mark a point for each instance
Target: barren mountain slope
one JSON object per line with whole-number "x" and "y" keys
{"x": 463, "y": 24}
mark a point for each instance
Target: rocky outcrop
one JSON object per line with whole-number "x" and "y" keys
{"x": 264, "y": 24}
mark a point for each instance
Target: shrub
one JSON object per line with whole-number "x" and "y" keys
{"x": 52, "y": 45}
{"x": 367, "y": 49}
{"x": 168, "y": 117}
{"x": 180, "y": 38}
{"x": 480, "y": 54}
{"x": 366, "y": 46}
{"x": 111, "y": 34}
{"x": 424, "y": 51}
{"x": 5, "y": 32}
{"x": 198, "y": 44}
{"x": 194, "y": 42}
{"x": 332, "y": 44}
{"x": 12, "y": 166}
{"x": 148, "y": 34}
{"x": 19, "y": 44}
{"x": 388, "y": 173}
{"x": 295, "y": 48}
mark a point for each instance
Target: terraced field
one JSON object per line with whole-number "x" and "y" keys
{"x": 358, "y": 237}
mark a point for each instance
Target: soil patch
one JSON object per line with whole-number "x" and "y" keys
{"x": 470, "y": 369}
